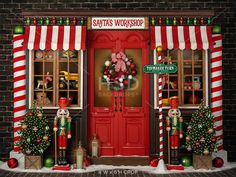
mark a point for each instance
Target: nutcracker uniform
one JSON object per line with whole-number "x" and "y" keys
{"x": 174, "y": 127}
{"x": 62, "y": 125}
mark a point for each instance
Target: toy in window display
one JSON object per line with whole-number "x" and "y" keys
{"x": 175, "y": 132}
{"x": 62, "y": 129}
{"x": 44, "y": 82}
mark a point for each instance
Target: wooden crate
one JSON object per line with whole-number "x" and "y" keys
{"x": 202, "y": 162}
{"x": 33, "y": 162}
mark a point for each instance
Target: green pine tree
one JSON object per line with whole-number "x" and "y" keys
{"x": 200, "y": 136}
{"x": 34, "y": 133}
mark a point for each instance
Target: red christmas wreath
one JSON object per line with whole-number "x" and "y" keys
{"x": 119, "y": 71}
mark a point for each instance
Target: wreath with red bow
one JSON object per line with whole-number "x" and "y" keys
{"x": 119, "y": 71}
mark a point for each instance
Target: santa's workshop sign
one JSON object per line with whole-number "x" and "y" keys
{"x": 117, "y": 23}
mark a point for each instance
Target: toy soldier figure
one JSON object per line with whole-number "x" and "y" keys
{"x": 62, "y": 126}
{"x": 175, "y": 132}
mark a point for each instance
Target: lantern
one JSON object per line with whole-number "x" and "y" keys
{"x": 95, "y": 146}
{"x": 79, "y": 156}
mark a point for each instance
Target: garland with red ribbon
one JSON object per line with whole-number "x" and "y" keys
{"x": 119, "y": 71}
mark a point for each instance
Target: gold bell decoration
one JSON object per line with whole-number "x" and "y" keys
{"x": 95, "y": 146}
{"x": 79, "y": 156}
{"x": 159, "y": 49}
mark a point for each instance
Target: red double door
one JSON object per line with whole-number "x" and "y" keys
{"x": 119, "y": 118}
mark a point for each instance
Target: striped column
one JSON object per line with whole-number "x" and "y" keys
{"x": 160, "y": 110}
{"x": 19, "y": 69}
{"x": 216, "y": 88}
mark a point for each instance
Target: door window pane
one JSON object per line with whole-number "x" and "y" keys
{"x": 102, "y": 92}
{"x": 133, "y": 95}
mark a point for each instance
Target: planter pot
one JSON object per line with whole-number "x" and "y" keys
{"x": 33, "y": 162}
{"x": 202, "y": 162}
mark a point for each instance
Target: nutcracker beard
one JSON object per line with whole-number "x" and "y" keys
{"x": 62, "y": 144}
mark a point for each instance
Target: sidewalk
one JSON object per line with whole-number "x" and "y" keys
{"x": 119, "y": 173}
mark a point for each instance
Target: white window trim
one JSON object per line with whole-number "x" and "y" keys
{"x": 182, "y": 107}
{"x": 56, "y": 107}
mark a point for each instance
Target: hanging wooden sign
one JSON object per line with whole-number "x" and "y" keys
{"x": 117, "y": 23}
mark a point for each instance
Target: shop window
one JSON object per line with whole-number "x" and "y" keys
{"x": 189, "y": 83}
{"x": 55, "y": 74}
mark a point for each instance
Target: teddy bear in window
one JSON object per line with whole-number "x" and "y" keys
{"x": 42, "y": 99}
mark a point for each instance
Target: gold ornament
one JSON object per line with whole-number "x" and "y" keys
{"x": 45, "y": 138}
{"x": 24, "y": 126}
{"x": 40, "y": 115}
{"x": 187, "y": 138}
{"x": 206, "y": 152}
{"x": 210, "y": 130}
{"x": 159, "y": 49}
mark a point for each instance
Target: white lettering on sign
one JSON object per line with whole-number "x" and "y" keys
{"x": 117, "y": 23}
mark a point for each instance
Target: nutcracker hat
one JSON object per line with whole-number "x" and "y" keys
{"x": 63, "y": 102}
{"x": 174, "y": 102}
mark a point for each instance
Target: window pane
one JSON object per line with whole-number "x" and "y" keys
{"x": 102, "y": 92}
{"x": 133, "y": 95}
{"x": 69, "y": 76}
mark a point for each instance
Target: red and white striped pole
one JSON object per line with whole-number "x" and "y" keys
{"x": 19, "y": 70}
{"x": 161, "y": 165}
{"x": 216, "y": 88}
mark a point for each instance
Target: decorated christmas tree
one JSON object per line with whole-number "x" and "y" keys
{"x": 34, "y": 133}
{"x": 200, "y": 136}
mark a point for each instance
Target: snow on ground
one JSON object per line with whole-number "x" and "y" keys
{"x": 1, "y": 162}
{"x": 105, "y": 168}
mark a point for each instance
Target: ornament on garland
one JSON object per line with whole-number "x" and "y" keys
{"x": 12, "y": 163}
{"x": 210, "y": 130}
{"x": 23, "y": 126}
{"x": 119, "y": 71}
{"x": 218, "y": 162}
{"x": 206, "y": 152}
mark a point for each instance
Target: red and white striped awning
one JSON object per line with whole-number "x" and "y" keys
{"x": 55, "y": 37}
{"x": 181, "y": 37}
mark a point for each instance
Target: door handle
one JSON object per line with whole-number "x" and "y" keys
{"x": 120, "y": 103}
{"x": 115, "y": 103}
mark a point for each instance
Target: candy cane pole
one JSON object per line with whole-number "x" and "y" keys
{"x": 19, "y": 69}
{"x": 161, "y": 165}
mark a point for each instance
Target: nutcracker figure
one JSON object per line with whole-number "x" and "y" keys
{"x": 175, "y": 132}
{"x": 62, "y": 129}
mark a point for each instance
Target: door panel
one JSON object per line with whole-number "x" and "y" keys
{"x": 119, "y": 118}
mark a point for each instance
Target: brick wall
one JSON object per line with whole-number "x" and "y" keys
{"x": 10, "y": 11}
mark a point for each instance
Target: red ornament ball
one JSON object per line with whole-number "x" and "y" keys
{"x": 213, "y": 139}
{"x": 38, "y": 141}
{"x": 133, "y": 72}
{"x": 12, "y": 163}
{"x": 105, "y": 72}
{"x": 196, "y": 99}
{"x": 30, "y": 113}
{"x": 132, "y": 65}
{"x": 126, "y": 82}
{"x": 154, "y": 162}
{"x": 218, "y": 162}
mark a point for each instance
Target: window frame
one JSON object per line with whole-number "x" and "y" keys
{"x": 31, "y": 75}
{"x": 205, "y": 78}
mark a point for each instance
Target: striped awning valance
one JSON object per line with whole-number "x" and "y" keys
{"x": 55, "y": 37}
{"x": 181, "y": 37}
